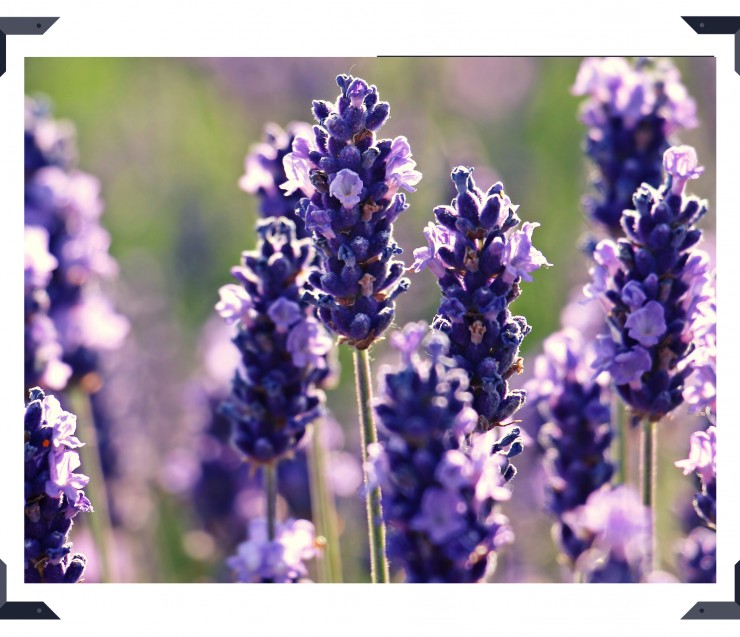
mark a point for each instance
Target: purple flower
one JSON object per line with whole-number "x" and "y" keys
{"x": 631, "y": 110}
{"x": 681, "y": 163}
{"x": 285, "y": 313}
{"x": 617, "y": 526}
{"x": 346, "y": 186}
{"x": 38, "y": 262}
{"x": 702, "y": 455}
{"x": 440, "y": 482}
{"x": 520, "y": 257}
{"x": 53, "y": 491}
{"x": 278, "y": 561}
{"x": 647, "y": 324}
{"x": 350, "y": 210}
{"x": 309, "y": 343}
{"x": 652, "y": 285}
{"x": 234, "y": 305}
{"x": 479, "y": 261}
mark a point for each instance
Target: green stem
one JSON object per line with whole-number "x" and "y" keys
{"x": 648, "y": 480}
{"x": 376, "y": 526}
{"x": 270, "y": 477}
{"x": 621, "y": 430}
{"x": 101, "y": 527}
{"x": 325, "y": 512}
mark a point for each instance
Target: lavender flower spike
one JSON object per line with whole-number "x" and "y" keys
{"x": 632, "y": 112}
{"x": 652, "y": 287}
{"x": 283, "y": 350}
{"x": 53, "y": 492}
{"x": 439, "y": 496}
{"x": 479, "y": 258}
{"x": 576, "y": 434}
{"x": 351, "y": 181}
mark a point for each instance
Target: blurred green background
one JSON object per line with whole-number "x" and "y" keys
{"x": 168, "y": 137}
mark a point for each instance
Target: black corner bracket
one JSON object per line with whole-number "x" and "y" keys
{"x": 715, "y": 25}
{"x": 718, "y": 610}
{"x": 21, "y": 26}
{"x": 20, "y": 610}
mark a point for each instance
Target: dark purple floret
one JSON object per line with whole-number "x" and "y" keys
{"x": 53, "y": 492}
{"x": 351, "y": 181}
{"x": 265, "y": 173}
{"x": 576, "y": 435}
{"x": 480, "y": 259}
{"x": 632, "y": 114}
{"x": 283, "y": 348}
{"x": 440, "y": 493}
{"x": 652, "y": 284}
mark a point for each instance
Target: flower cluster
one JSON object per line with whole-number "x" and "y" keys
{"x": 440, "y": 494}
{"x": 53, "y": 491}
{"x": 576, "y": 434}
{"x": 615, "y": 526}
{"x": 351, "y": 183}
{"x": 703, "y": 461}
{"x": 283, "y": 349}
{"x": 265, "y": 173}
{"x": 277, "y": 561}
{"x": 64, "y": 204}
{"x": 632, "y": 112}
{"x": 651, "y": 284}
{"x": 480, "y": 259}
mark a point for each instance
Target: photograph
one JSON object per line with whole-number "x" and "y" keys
{"x": 370, "y": 320}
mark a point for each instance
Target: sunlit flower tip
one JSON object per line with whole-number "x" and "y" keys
{"x": 234, "y": 303}
{"x": 682, "y": 164}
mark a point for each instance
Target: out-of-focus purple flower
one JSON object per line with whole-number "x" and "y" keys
{"x": 234, "y": 303}
{"x": 38, "y": 262}
{"x": 616, "y": 526}
{"x": 440, "y": 493}
{"x": 632, "y": 112}
{"x": 697, "y": 556}
{"x": 350, "y": 208}
{"x": 576, "y": 434}
{"x": 479, "y": 261}
{"x": 703, "y": 461}
{"x": 701, "y": 387}
{"x": 652, "y": 284}
{"x": 53, "y": 491}
{"x": 265, "y": 174}
{"x": 65, "y": 203}
{"x": 278, "y": 561}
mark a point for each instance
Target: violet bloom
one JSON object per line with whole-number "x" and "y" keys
{"x": 265, "y": 173}
{"x": 65, "y": 203}
{"x": 278, "y": 561}
{"x": 702, "y": 460}
{"x": 697, "y": 556}
{"x": 700, "y": 392}
{"x": 616, "y": 526}
{"x": 632, "y": 113}
{"x": 275, "y": 393}
{"x": 576, "y": 435}
{"x": 53, "y": 492}
{"x": 351, "y": 181}
{"x": 652, "y": 288}
{"x": 479, "y": 258}
{"x": 440, "y": 495}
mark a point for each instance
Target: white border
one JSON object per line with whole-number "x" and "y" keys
{"x": 331, "y": 28}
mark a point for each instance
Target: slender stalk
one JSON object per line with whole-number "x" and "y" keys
{"x": 270, "y": 478}
{"x": 376, "y": 526}
{"x": 648, "y": 481}
{"x": 621, "y": 430}
{"x": 325, "y": 512}
{"x": 100, "y": 523}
